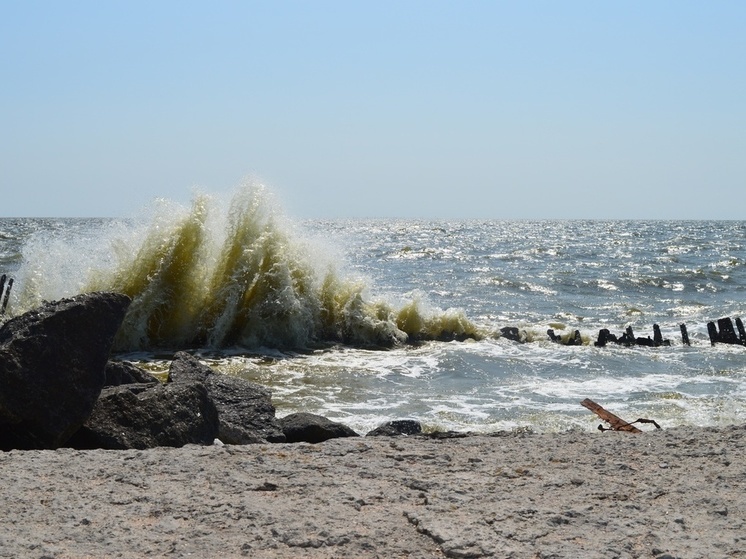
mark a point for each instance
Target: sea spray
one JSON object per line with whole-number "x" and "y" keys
{"x": 206, "y": 277}
{"x": 422, "y": 324}
{"x": 58, "y": 256}
{"x": 163, "y": 278}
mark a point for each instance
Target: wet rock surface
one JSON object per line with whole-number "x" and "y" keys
{"x": 669, "y": 493}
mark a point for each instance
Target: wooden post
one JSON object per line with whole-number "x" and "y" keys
{"x": 576, "y": 339}
{"x": 684, "y": 334}
{"x": 713, "y": 332}
{"x": 727, "y": 334}
{"x": 741, "y": 331}
{"x": 628, "y": 338}
{"x": 7, "y": 295}
{"x": 657, "y": 336}
{"x": 603, "y": 335}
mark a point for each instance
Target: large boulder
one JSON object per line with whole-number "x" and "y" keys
{"x": 146, "y": 416}
{"x": 305, "y": 427}
{"x": 52, "y": 363}
{"x": 245, "y": 409}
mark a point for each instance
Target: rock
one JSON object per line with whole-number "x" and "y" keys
{"x": 245, "y": 409}
{"x": 122, "y": 372}
{"x": 396, "y": 428}
{"x": 146, "y": 416}
{"x": 311, "y": 428}
{"x": 52, "y": 367}
{"x": 512, "y": 333}
{"x": 186, "y": 367}
{"x": 196, "y": 405}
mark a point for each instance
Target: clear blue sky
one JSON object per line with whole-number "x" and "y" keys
{"x": 521, "y": 109}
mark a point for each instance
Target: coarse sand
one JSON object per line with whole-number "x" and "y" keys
{"x": 678, "y": 493}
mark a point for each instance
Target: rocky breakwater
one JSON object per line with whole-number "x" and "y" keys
{"x": 58, "y": 388}
{"x": 194, "y": 406}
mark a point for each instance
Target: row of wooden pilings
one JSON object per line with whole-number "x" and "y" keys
{"x": 722, "y": 332}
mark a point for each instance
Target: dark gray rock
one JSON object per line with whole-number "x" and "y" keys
{"x": 52, "y": 363}
{"x": 396, "y": 428}
{"x": 187, "y": 368}
{"x": 245, "y": 409}
{"x": 311, "y": 428}
{"x": 122, "y": 372}
{"x": 146, "y": 416}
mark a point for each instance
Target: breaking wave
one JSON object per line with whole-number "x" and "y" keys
{"x": 222, "y": 275}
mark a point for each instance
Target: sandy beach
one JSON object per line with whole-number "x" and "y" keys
{"x": 670, "y": 493}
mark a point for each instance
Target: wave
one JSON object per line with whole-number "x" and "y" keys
{"x": 208, "y": 277}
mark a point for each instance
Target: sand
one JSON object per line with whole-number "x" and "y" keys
{"x": 670, "y": 493}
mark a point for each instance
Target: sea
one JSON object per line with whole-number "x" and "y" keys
{"x": 369, "y": 320}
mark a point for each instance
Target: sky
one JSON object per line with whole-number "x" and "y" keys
{"x": 346, "y": 109}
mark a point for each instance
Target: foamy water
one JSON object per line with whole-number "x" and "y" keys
{"x": 305, "y": 308}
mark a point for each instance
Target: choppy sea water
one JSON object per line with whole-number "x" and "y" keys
{"x": 369, "y": 320}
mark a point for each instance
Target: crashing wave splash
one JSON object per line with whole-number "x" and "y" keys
{"x": 210, "y": 278}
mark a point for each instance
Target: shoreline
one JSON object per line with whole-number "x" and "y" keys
{"x": 679, "y": 493}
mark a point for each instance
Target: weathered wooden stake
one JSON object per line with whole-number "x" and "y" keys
{"x": 603, "y": 337}
{"x": 7, "y": 295}
{"x": 576, "y": 339}
{"x": 727, "y": 334}
{"x": 628, "y": 338}
{"x": 684, "y": 334}
{"x": 741, "y": 331}
{"x": 724, "y": 333}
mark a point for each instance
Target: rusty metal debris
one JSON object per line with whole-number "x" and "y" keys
{"x": 616, "y": 423}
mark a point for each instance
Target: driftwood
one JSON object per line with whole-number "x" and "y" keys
{"x": 617, "y": 423}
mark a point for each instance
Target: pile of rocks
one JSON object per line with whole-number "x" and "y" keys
{"x": 58, "y": 388}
